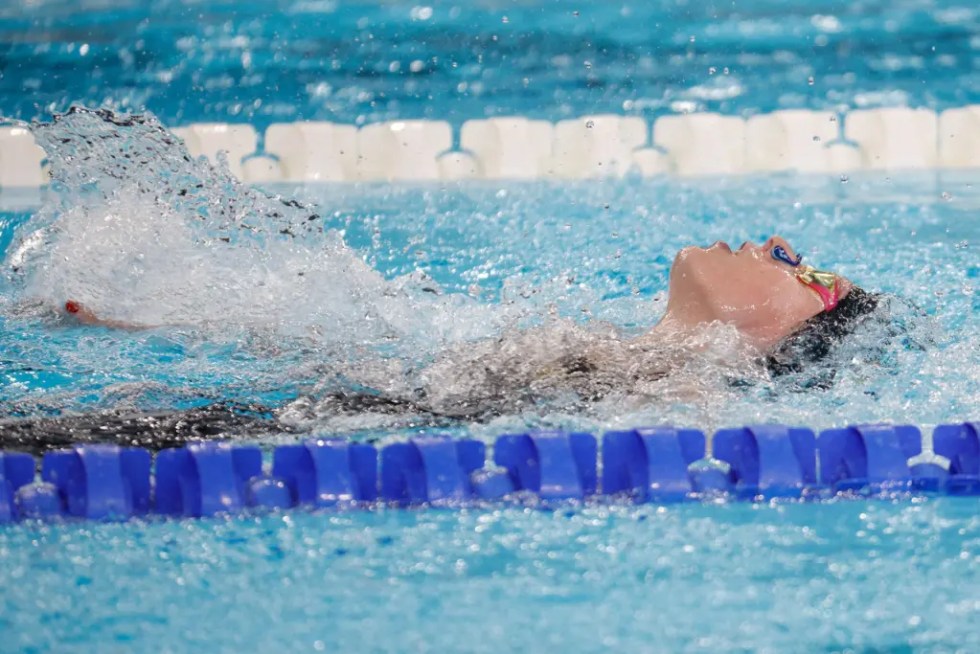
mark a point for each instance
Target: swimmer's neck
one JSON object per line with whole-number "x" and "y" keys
{"x": 675, "y": 330}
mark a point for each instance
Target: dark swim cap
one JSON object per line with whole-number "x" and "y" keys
{"x": 815, "y": 341}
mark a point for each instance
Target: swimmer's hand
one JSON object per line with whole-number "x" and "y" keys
{"x": 84, "y": 315}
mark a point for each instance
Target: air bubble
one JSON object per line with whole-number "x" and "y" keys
{"x": 844, "y": 179}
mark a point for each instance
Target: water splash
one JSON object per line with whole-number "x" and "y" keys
{"x": 260, "y": 297}
{"x": 139, "y": 231}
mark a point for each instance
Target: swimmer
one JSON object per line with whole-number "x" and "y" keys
{"x": 785, "y": 312}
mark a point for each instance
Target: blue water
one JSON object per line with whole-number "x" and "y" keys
{"x": 854, "y": 577}
{"x": 859, "y": 576}
{"x": 264, "y": 62}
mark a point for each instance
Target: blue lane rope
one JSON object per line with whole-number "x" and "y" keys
{"x": 658, "y": 464}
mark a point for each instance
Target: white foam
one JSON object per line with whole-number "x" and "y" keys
{"x": 180, "y": 242}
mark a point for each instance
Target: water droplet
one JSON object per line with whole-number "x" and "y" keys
{"x": 691, "y": 39}
{"x": 590, "y": 124}
{"x": 575, "y": 13}
{"x": 505, "y": 20}
{"x": 816, "y": 139}
{"x": 712, "y": 70}
{"x": 844, "y": 179}
{"x": 809, "y": 80}
{"x": 947, "y": 196}
{"x": 833, "y": 119}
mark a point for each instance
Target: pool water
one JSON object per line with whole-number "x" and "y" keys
{"x": 389, "y": 278}
{"x": 498, "y": 255}
{"x": 852, "y": 576}
{"x": 355, "y": 62}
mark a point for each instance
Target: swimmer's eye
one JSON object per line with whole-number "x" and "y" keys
{"x": 780, "y": 254}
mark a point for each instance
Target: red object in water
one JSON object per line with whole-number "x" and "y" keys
{"x": 72, "y": 307}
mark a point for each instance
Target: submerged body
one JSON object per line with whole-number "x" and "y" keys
{"x": 727, "y": 310}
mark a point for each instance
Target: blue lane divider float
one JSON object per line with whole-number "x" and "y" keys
{"x": 16, "y": 472}
{"x": 769, "y": 460}
{"x": 430, "y": 470}
{"x": 868, "y": 457}
{"x": 204, "y": 479}
{"x": 328, "y": 472}
{"x": 960, "y": 445}
{"x": 651, "y": 464}
{"x": 552, "y": 465}
{"x": 657, "y": 464}
{"x": 100, "y": 481}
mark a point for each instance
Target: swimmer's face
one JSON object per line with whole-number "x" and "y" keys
{"x": 748, "y": 287}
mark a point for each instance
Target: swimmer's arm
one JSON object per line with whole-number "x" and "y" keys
{"x": 86, "y": 316}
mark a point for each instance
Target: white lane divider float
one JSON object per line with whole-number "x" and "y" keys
{"x": 894, "y": 139}
{"x": 702, "y": 144}
{"x": 798, "y": 140}
{"x": 959, "y": 137}
{"x": 208, "y": 139}
{"x": 313, "y": 151}
{"x": 402, "y": 150}
{"x": 597, "y": 146}
{"x": 509, "y": 148}
{"x": 20, "y": 159}
{"x": 606, "y": 145}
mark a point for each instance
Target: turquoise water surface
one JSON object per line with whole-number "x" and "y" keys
{"x": 238, "y": 314}
{"x": 284, "y": 60}
{"x": 854, "y": 576}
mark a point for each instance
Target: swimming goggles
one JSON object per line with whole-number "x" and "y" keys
{"x": 824, "y": 284}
